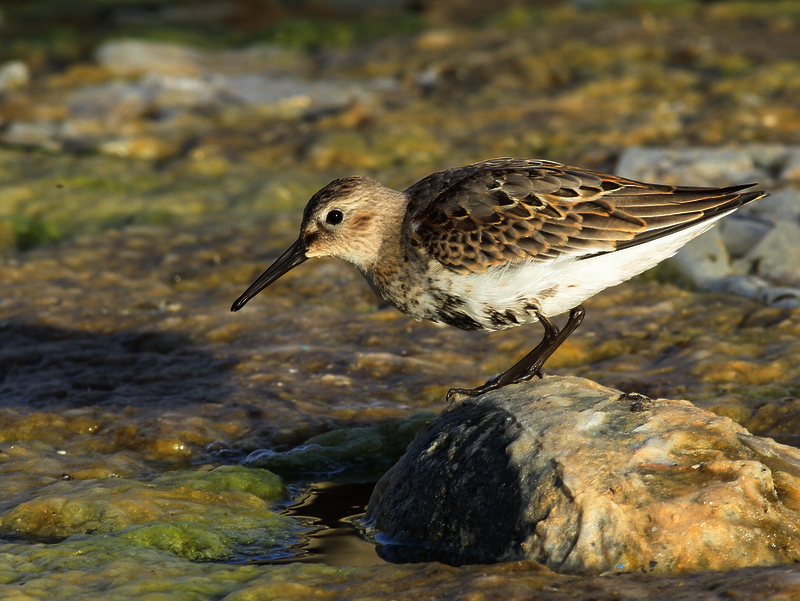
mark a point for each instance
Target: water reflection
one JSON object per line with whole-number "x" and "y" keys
{"x": 330, "y": 509}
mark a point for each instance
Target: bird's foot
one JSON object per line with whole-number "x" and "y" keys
{"x": 491, "y": 384}
{"x": 530, "y": 365}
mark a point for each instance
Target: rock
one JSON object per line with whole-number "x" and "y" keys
{"x": 705, "y": 258}
{"x": 756, "y": 288}
{"x": 14, "y": 75}
{"x": 198, "y": 515}
{"x": 780, "y": 205}
{"x": 791, "y": 168}
{"x": 132, "y": 57}
{"x": 148, "y": 119}
{"x": 712, "y": 166}
{"x": 777, "y": 255}
{"x": 351, "y": 449}
{"x": 761, "y": 237}
{"x": 135, "y": 57}
{"x": 739, "y": 234}
{"x": 690, "y": 166}
{"x": 40, "y": 134}
{"x": 117, "y": 102}
{"x": 586, "y": 480}
{"x": 291, "y": 95}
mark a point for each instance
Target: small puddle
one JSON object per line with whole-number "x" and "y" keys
{"x": 331, "y": 507}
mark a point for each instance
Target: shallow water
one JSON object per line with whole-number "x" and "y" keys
{"x": 333, "y": 508}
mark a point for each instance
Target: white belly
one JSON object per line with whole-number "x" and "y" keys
{"x": 552, "y": 287}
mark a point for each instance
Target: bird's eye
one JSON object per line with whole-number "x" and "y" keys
{"x": 334, "y": 217}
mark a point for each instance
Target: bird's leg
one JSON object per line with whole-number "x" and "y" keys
{"x": 531, "y": 364}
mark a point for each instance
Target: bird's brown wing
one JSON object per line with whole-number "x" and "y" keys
{"x": 510, "y": 210}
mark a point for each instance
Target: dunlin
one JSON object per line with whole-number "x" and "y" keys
{"x": 502, "y": 243}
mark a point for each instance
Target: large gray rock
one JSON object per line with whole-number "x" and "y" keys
{"x": 777, "y": 255}
{"x": 760, "y": 239}
{"x": 716, "y": 166}
{"x": 691, "y": 166}
{"x": 704, "y": 259}
{"x": 586, "y": 479}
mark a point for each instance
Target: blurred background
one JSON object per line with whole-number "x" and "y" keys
{"x": 117, "y": 112}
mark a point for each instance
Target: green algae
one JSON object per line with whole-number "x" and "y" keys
{"x": 309, "y": 33}
{"x": 344, "y": 448}
{"x": 30, "y": 232}
{"x": 200, "y": 515}
{"x": 185, "y": 539}
{"x": 110, "y": 567}
{"x": 228, "y": 478}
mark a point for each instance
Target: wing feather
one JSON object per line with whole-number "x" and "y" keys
{"x": 509, "y": 210}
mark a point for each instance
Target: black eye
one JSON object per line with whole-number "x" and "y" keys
{"x": 334, "y": 217}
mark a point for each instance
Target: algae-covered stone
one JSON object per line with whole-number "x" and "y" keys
{"x": 334, "y": 451}
{"x": 197, "y": 515}
{"x": 228, "y": 478}
{"x": 586, "y": 479}
{"x": 185, "y": 539}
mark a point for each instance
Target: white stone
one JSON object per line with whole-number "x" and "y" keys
{"x": 40, "y": 134}
{"x": 14, "y": 75}
{"x": 137, "y": 57}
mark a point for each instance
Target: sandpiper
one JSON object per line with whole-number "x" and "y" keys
{"x": 502, "y": 243}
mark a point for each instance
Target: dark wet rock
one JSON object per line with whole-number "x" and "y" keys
{"x": 586, "y": 479}
{"x": 787, "y": 297}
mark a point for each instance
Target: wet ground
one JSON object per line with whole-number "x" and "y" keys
{"x": 124, "y": 244}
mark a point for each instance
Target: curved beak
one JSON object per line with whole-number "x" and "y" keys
{"x": 290, "y": 259}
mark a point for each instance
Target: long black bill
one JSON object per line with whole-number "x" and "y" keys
{"x": 290, "y": 259}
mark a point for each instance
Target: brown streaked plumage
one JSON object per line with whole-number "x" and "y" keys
{"x": 502, "y": 242}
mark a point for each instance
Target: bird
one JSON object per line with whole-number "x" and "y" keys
{"x": 502, "y": 243}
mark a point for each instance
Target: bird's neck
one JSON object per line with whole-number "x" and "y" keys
{"x": 389, "y": 259}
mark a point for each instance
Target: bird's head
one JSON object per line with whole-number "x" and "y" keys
{"x": 347, "y": 219}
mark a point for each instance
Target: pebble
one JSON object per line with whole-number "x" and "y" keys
{"x": 14, "y": 75}
{"x": 164, "y": 91}
{"x": 134, "y": 57}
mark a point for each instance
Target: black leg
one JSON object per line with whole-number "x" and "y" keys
{"x": 531, "y": 364}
